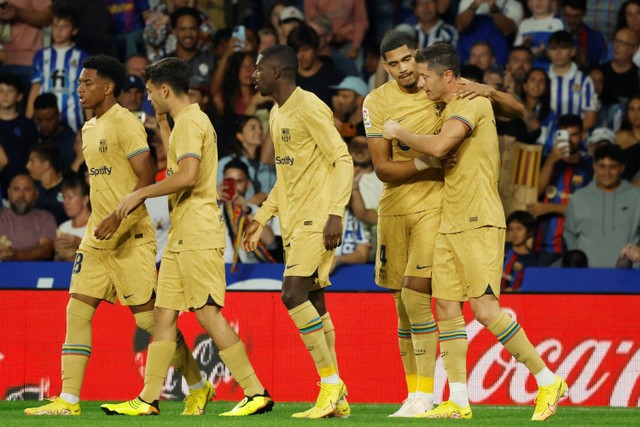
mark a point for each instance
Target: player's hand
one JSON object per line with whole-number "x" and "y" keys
{"x": 332, "y": 232}
{"x": 449, "y": 160}
{"x": 390, "y": 129}
{"x": 469, "y": 89}
{"x": 129, "y": 204}
{"x": 107, "y": 227}
{"x": 251, "y": 236}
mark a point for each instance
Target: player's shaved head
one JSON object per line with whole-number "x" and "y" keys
{"x": 282, "y": 57}
{"x": 395, "y": 40}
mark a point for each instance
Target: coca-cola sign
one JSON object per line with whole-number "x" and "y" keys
{"x": 592, "y": 341}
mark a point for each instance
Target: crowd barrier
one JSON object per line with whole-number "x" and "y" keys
{"x": 591, "y": 340}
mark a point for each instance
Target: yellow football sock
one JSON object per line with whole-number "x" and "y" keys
{"x": 330, "y": 337}
{"x": 453, "y": 349}
{"x": 77, "y": 345}
{"x": 158, "y": 361}
{"x": 514, "y": 339}
{"x": 236, "y": 359}
{"x": 306, "y": 318}
{"x": 424, "y": 336}
{"x": 406, "y": 345}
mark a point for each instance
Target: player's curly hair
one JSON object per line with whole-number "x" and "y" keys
{"x": 109, "y": 68}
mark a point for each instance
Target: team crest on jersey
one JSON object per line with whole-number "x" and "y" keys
{"x": 102, "y": 146}
{"x": 366, "y": 120}
{"x": 285, "y": 135}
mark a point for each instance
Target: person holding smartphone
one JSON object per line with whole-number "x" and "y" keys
{"x": 564, "y": 171}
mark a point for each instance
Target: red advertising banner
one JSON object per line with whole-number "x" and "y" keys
{"x": 593, "y": 341}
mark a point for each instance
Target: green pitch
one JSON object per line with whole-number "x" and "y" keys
{"x": 362, "y": 415}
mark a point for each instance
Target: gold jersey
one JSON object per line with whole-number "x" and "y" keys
{"x": 313, "y": 167}
{"x": 196, "y": 221}
{"x": 418, "y": 114}
{"x": 471, "y": 198}
{"x": 108, "y": 143}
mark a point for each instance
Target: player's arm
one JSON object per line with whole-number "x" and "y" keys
{"x": 386, "y": 169}
{"x": 453, "y": 133}
{"x": 268, "y": 210}
{"x": 504, "y": 104}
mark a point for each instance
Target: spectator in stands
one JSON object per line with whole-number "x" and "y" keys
{"x": 232, "y": 87}
{"x": 51, "y": 130}
{"x": 481, "y": 55}
{"x": 430, "y": 28}
{"x": 539, "y": 119}
{"x": 4, "y": 161}
{"x": 628, "y": 138}
{"x": 598, "y": 138}
{"x": 347, "y": 106}
{"x": 56, "y": 69}
{"x": 472, "y": 73}
{"x": 26, "y": 234}
{"x": 25, "y": 20}
{"x": 127, "y": 22}
{"x": 134, "y": 64}
{"x": 70, "y": 233}
{"x": 563, "y": 172}
{"x": 491, "y": 21}
{"x": 518, "y": 255}
{"x": 518, "y": 66}
{"x": 534, "y": 32}
{"x": 605, "y": 215}
{"x": 132, "y": 95}
{"x": 629, "y": 17}
{"x": 93, "y": 29}
{"x": 199, "y": 93}
{"x": 17, "y": 133}
{"x": 44, "y": 168}
{"x": 620, "y": 75}
{"x": 327, "y": 53}
{"x": 249, "y": 148}
{"x": 290, "y": 18}
{"x": 591, "y": 48}
{"x": 575, "y": 259}
{"x": 273, "y": 19}
{"x": 572, "y": 90}
{"x": 238, "y": 212}
{"x": 185, "y": 24}
{"x": 79, "y": 167}
{"x": 313, "y": 75}
{"x": 630, "y": 254}
{"x": 266, "y": 38}
{"x": 601, "y": 15}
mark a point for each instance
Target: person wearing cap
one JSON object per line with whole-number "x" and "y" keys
{"x": 200, "y": 94}
{"x": 290, "y": 18}
{"x": 132, "y": 94}
{"x": 602, "y": 218}
{"x": 347, "y": 106}
{"x": 598, "y": 138}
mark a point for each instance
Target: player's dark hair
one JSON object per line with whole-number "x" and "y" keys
{"x": 609, "y": 151}
{"x": 568, "y": 121}
{"x": 68, "y": 14}
{"x": 237, "y": 164}
{"x": 48, "y": 153}
{"x": 45, "y": 101}
{"x": 11, "y": 80}
{"x": 76, "y": 183}
{"x": 173, "y": 72}
{"x": 108, "y": 68}
{"x": 395, "y": 40}
{"x": 283, "y": 57}
{"x": 301, "y": 36}
{"x": 440, "y": 57}
{"x": 524, "y": 218}
{"x": 185, "y": 11}
{"x": 561, "y": 39}
{"x": 575, "y": 4}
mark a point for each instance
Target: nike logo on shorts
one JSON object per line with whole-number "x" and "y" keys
{"x": 422, "y": 267}
{"x": 291, "y": 266}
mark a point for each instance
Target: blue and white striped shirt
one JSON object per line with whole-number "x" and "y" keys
{"x": 441, "y": 32}
{"x": 57, "y": 70}
{"x": 573, "y": 92}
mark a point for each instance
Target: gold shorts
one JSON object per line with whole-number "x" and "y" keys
{"x": 405, "y": 247}
{"x": 188, "y": 278}
{"x": 306, "y": 256}
{"x": 126, "y": 273}
{"x": 466, "y": 263}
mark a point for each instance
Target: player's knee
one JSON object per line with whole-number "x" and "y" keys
{"x": 484, "y": 312}
{"x": 291, "y": 299}
{"x": 144, "y": 321}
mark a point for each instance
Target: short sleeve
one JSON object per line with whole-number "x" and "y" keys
{"x": 133, "y": 135}
{"x": 371, "y": 119}
{"x": 189, "y": 136}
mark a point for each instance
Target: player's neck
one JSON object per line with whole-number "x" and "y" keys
{"x": 283, "y": 93}
{"x": 105, "y": 106}
{"x": 178, "y": 104}
{"x": 450, "y": 92}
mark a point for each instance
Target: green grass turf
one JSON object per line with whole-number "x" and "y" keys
{"x": 362, "y": 415}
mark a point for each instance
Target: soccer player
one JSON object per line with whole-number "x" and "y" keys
{"x": 191, "y": 276}
{"x": 469, "y": 247}
{"x": 314, "y": 178}
{"x": 116, "y": 257}
{"x": 409, "y": 211}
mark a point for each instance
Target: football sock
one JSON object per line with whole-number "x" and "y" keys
{"x": 330, "y": 337}
{"x": 453, "y": 349}
{"x": 198, "y": 385}
{"x": 158, "y": 361}
{"x": 76, "y": 348}
{"x": 183, "y": 360}
{"x": 515, "y": 341}
{"x": 424, "y": 336}
{"x": 306, "y": 318}
{"x": 406, "y": 346}
{"x": 235, "y": 358}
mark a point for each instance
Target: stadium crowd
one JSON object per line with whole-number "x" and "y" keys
{"x": 573, "y": 64}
